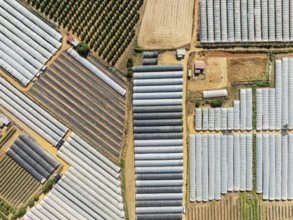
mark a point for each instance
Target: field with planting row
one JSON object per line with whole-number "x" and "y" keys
{"x": 234, "y": 207}
{"x": 16, "y": 185}
{"x": 107, "y": 26}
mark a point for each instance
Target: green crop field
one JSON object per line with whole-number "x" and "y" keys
{"x": 107, "y": 26}
{"x": 17, "y": 186}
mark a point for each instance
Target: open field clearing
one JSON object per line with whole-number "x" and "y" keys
{"x": 83, "y": 102}
{"x": 230, "y": 207}
{"x": 166, "y": 24}
{"x": 16, "y": 184}
{"x": 223, "y": 69}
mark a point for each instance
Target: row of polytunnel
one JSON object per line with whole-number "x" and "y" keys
{"x": 158, "y": 141}
{"x": 238, "y": 117}
{"x": 30, "y": 114}
{"x": 274, "y": 166}
{"x": 150, "y": 58}
{"x": 97, "y": 72}
{"x": 32, "y": 157}
{"x": 219, "y": 164}
{"x": 274, "y": 106}
{"x": 90, "y": 189}
{"x": 228, "y": 21}
{"x": 26, "y": 42}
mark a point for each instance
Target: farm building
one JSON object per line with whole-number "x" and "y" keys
{"x": 180, "y": 53}
{"x": 29, "y": 113}
{"x": 274, "y": 106}
{"x": 4, "y": 120}
{"x": 199, "y": 67}
{"x": 235, "y": 21}
{"x": 87, "y": 99}
{"x": 26, "y": 42}
{"x": 219, "y": 164}
{"x": 158, "y": 141}
{"x": 72, "y": 40}
{"x": 32, "y": 157}
{"x": 238, "y": 117}
{"x": 90, "y": 189}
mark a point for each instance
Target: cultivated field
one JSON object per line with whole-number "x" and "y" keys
{"x": 107, "y": 26}
{"x": 223, "y": 69}
{"x": 166, "y": 24}
{"x": 277, "y": 210}
{"x": 17, "y": 186}
{"x": 84, "y": 103}
{"x": 230, "y": 207}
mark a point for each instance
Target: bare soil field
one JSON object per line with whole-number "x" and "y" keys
{"x": 166, "y": 24}
{"x": 223, "y": 69}
{"x": 169, "y": 57}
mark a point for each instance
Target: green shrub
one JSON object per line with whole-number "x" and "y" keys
{"x": 20, "y": 212}
{"x": 36, "y": 198}
{"x": 129, "y": 63}
{"x": 47, "y": 186}
{"x": 4, "y": 210}
{"x": 197, "y": 104}
{"x": 216, "y": 103}
{"x": 31, "y": 203}
{"x": 83, "y": 49}
{"x": 138, "y": 50}
{"x": 129, "y": 73}
{"x": 3, "y": 217}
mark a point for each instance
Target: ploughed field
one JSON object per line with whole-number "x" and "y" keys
{"x": 83, "y": 102}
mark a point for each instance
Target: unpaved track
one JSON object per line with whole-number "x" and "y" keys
{"x": 166, "y": 24}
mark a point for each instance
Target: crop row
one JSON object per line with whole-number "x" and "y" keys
{"x": 16, "y": 185}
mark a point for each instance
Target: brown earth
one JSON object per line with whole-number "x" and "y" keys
{"x": 129, "y": 171}
{"x": 227, "y": 208}
{"x": 166, "y": 24}
{"x": 223, "y": 69}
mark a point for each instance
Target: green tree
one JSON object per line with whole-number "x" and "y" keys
{"x": 48, "y": 186}
{"x": 31, "y": 203}
{"x": 129, "y": 62}
{"x": 83, "y": 49}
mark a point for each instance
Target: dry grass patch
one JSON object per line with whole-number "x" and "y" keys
{"x": 166, "y": 24}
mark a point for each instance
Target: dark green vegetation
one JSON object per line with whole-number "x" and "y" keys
{"x": 83, "y": 49}
{"x": 249, "y": 206}
{"x": 47, "y": 186}
{"x": 107, "y": 26}
{"x": 216, "y": 103}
